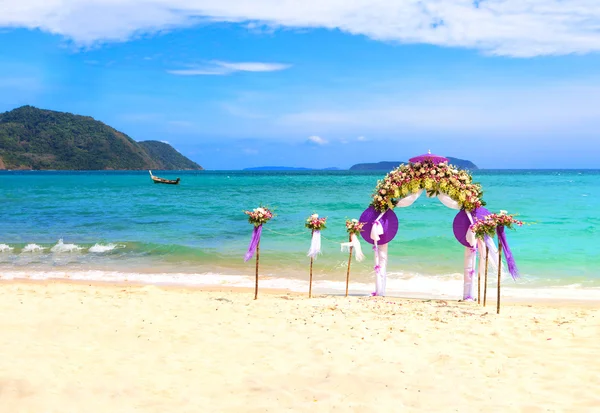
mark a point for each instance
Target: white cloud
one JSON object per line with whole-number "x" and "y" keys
{"x": 219, "y": 68}
{"x": 316, "y": 140}
{"x": 504, "y": 27}
{"x": 545, "y": 109}
{"x": 167, "y": 142}
{"x": 362, "y": 139}
{"x": 252, "y": 66}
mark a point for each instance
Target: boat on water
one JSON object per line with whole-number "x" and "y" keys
{"x": 158, "y": 180}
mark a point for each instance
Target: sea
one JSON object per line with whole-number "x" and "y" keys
{"x": 116, "y": 226}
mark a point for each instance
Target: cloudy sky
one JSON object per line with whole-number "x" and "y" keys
{"x": 319, "y": 83}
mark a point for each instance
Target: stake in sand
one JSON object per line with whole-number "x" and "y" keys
{"x": 315, "y": 224}
{"x": 354, "y": 228}
{"x": 499, "y": 273}
{"x": 257, "y": 218}
{"x": 487, "y": 253}
{"x": 349, "y": 262}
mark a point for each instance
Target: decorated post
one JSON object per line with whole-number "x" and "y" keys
{"x": 354, "y": 227}
{"x": 316, "y": 225}
{"x": 485, "y": 229}
{"x": 487, "y": 254}
{"x": 257, "y": 217}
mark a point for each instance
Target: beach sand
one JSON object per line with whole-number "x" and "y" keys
{"x": 75, "y": 347}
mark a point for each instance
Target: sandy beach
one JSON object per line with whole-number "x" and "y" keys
{"x": 75, "y": 347}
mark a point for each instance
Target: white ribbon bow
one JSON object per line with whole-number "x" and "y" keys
{"x": 355, "y": 244}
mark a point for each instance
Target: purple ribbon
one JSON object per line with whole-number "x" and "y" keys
{"x": 253, "y": 242}
{"x": 510, "y": 260}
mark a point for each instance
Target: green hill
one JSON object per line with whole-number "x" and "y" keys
{"x": 32, "y": 138}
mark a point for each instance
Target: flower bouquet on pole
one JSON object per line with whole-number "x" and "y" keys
{"x": 354, "y": 227}
{"x": 485, "y": 229}
{"x": 257, "y": 218}
{"x": 316, "y": 225}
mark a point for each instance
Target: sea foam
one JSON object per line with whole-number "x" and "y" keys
{"x": 104, "y": 248}
{"x": 62, "y": 247}
{"x": 33, "y": 248}
{"x": 5, "y": 248}
{"x": 395, "y": 288}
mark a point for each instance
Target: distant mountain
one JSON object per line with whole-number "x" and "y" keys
{"x": 462, "y": 163}
{"x": 379, "y": 166}
{"x": 389, "y": 165}
{"x": 32, "y": 138}
{"x": 287, "y": 168}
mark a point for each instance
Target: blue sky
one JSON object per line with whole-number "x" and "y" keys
{"x": 329, "y": 83}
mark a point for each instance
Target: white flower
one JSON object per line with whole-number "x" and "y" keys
{"x": 259, "y": 210}
{"x": 314, "y": 216}
{"x": 503, "y": 212}
{"x": 355, "y": 221}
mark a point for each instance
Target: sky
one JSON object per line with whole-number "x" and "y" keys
{"x": 319, "y": 83}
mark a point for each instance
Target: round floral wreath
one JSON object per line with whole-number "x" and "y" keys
{"x": 434, "y": 178}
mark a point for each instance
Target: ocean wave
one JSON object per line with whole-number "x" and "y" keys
{"x": 99, "y": 248}
{"x": 62, "y": 247}
{"x": 32, "y": 248}
{"x": 5, "y": 248}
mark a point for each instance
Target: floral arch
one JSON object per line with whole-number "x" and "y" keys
{"x": 430, "y": 173}
{"x": 402, "y": 186}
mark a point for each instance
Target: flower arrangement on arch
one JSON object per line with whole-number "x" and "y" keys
{"x": 315, "y": 223}
{"x": 353, "y": 226}
{"x": 259, "y": 216}
{"x": 434, "y": 178}
{"x": 488, "y": 225}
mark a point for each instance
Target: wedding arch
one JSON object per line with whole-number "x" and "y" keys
{"x": 455, "y": 188}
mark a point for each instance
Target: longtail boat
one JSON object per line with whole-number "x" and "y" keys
{"x": 158, "y": 180}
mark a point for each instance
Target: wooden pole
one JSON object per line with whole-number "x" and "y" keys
{"x": 256, "y": 280}
{"x": 499, "y": 273}
{"x": 478, "y": 283}
{"x": 349, "y": 261}
{"x": 487, "y": 253}
{"x": 310, "y": 280}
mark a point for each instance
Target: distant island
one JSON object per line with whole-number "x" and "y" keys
{"x": 287, "y": 168}
{"x": 38, "y": 139}
{"x": 389, "y": 165}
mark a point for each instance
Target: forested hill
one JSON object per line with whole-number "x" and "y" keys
{"x": 32, "y": 138}
{"x": 389, "y": 165}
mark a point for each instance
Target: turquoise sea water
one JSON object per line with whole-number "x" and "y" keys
{"x": 119, "y": 225}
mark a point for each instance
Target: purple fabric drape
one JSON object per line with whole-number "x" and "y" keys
{"x": 510, "y": 260}
{"x": 253, "y": 242}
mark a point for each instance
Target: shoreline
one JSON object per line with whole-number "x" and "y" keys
{"x": 491, "y": 300}
{"x": 425, "y": 287}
